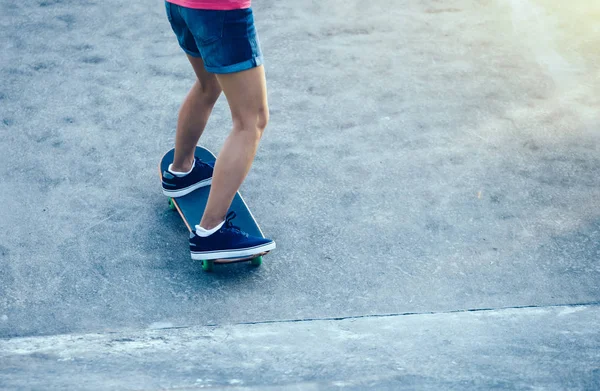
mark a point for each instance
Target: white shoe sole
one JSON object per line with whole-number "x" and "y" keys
{"x": 187, "y": 190}
{"x": 244, "y": 252}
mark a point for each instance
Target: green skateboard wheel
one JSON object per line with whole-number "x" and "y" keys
{"x": 207, "y": 265}
{"x": 171, "y": 204}
{"x": 256, "y": 261}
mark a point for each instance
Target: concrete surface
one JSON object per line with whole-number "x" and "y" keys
{"x": 421, "y": 157}
{"x": 553, "y": 348}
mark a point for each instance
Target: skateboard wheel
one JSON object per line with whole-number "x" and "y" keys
{"x": 207, "y": 265}
{"x": 171, "y": 204}
{"x": 256, "y": 261}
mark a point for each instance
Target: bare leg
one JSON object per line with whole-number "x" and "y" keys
{"x": 193, "y": 115}
{"x": 246, "y": 94}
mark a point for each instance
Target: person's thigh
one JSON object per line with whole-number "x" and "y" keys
{"x": 208, "y": 81}
{"x": 246, "y": 93}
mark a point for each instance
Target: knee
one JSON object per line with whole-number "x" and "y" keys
{"x": 209, "y": 90}
{"x": 262, "y": 118}
{"x": 255, "y": 121}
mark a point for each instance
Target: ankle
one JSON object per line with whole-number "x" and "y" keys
{"x": 182, "y": 167}
{"x": 185, "y": 167}
{"x": 209, "y": 223}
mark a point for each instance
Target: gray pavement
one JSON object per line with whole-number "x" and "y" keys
{"x": 551, "y": 348}
{"x": 422, "y": 157}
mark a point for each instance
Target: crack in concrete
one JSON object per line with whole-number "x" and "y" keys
{"x": 339, "y": 318}
{"x": 587, "y": 304}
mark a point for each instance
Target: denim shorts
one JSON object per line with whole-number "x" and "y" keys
{"x": 226, "y": 41}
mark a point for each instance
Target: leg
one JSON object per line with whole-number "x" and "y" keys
{"x": 194, "y": 114}
{"x": 246, "y": 94}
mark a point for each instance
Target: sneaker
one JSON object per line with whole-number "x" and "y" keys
{"x": 228, "y": 242}
{"x": 178, "y": 186}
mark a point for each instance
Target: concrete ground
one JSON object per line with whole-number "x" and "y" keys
{"x": 437, "y": 159}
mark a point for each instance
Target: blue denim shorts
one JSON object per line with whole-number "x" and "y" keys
{"x": 226, "y": 41}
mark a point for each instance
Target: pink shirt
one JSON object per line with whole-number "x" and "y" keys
{"x": 213, "y": 4}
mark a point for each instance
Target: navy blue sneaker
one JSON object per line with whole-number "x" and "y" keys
{"x": 228, "y": 242}
{"x": 201, "y": 175}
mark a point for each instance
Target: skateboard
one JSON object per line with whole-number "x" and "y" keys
{"x": 191, "y": 208}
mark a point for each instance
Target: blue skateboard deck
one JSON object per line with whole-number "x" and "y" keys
{"x": 191, "y": 208}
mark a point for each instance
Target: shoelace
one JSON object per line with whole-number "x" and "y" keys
{"x": 200, "y": 163}
{"x": 229, "y": 225}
